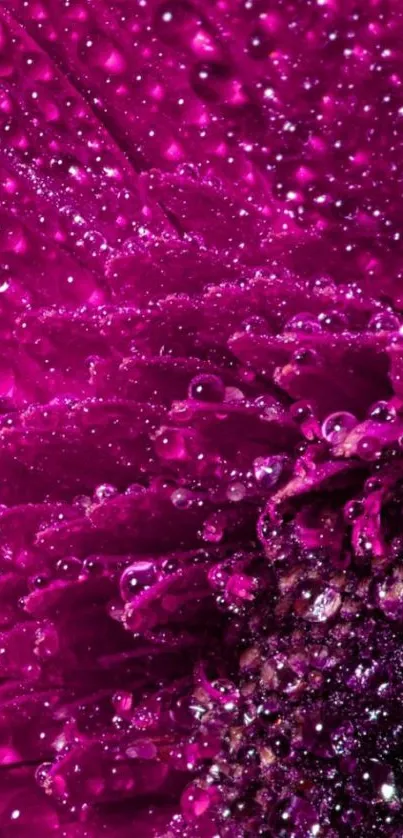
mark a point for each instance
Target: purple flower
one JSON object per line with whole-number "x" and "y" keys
{"x": 201, "y": 419}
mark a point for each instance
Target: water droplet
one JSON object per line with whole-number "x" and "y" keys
{"x": 93, "y": 566}
{"x": 213, "y": 528}
{"x": 305, "y": 357}
{"x": 352, "y": 510}
{"x": 258, "y": 45}
{"x": 317, "y": 605}
{"x": 104, "y": 491}
{"x": 369, "y": 448}
{"x": 136, "y": 577}
{"x": 337, "y": 426}
{"x": 101, "y": 53}
{"x": 42, "y": 774}
{"x": 195, "y": 801}
{"x": 333, "y": 321}
{"x": 236, "y": 492}
{"x": 269, "y": 712}
{"x": 301, "y": 411}
{"x": 255, "y": 325}
{"x": 303, "y": 322}
{"x": 385, "y": 321}
{"x": 211, "y": 80}
{"x": 233, "y": 394}
{"x": 182, "y": 498}
{"x": 268, "y": 470}
{"x": 176, "y": 21}
{"x": 382, "y": 412}
{"x": 207, "y": 388}
{"x": 122, "y": 701}
{"x": 170, "y": 444}
{"x": 390, "y": 597}
{"x": 69, "y": 567}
